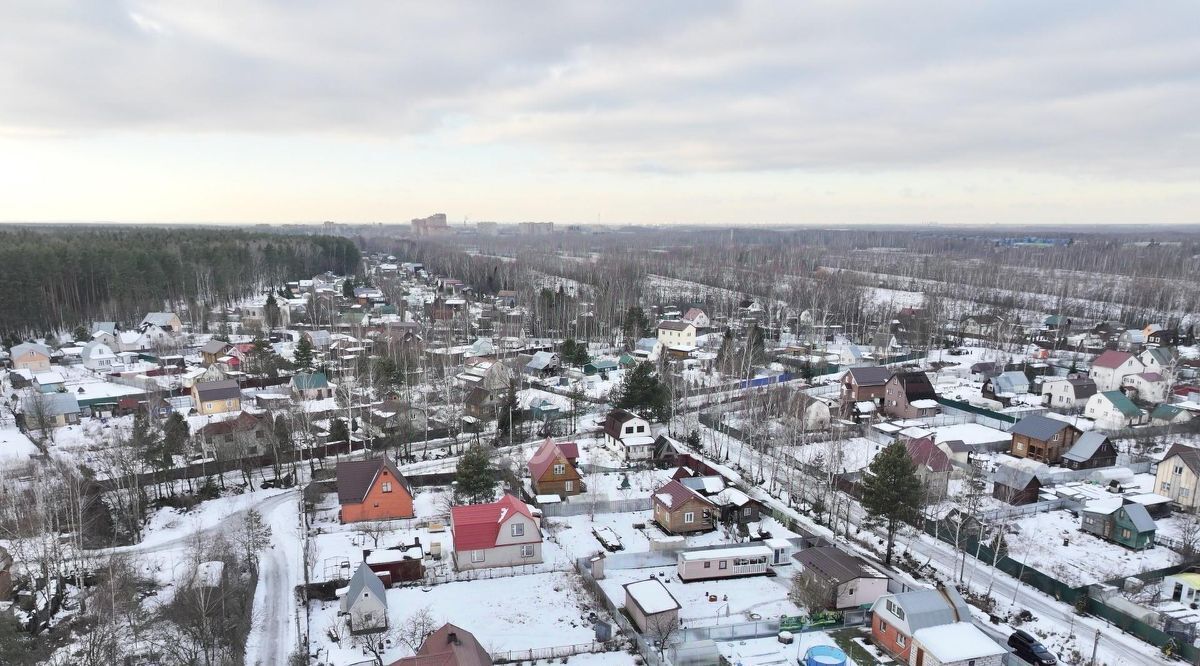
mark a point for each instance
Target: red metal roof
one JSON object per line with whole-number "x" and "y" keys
{"x": 547, "y": 453}
{"x": 476, "y": 526}
{"x": 1111, "y": 359}
{"x": 923, "y": 451}
{"x": 678, "y": 494}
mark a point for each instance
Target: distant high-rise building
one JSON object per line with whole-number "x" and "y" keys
{"x": 532, "y": 228}
{"x": 426, "y": 226}
{"x": 488, "y": 228}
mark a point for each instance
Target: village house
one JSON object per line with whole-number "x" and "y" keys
{"x": 217, "y": 397}
{"x": 697, "y": 318}
{"x": 50, "y": 381}
{"x": 1042, "y": 438}
{"x": 1113, "y": 410}
{"x": 651, "y": 607}
{"x": 628, "y": 435}
{"x": 895, "y": 618}
{"x": 1119, "y": 521}
{"x": 866, "y": 384}
{"x": 542, "y": 364}
{"x": 1111, "y": 367}
{"x": 213, "y": 350}
{"x": 677, "y": 334}
{"x": 979, "y": 326}
{"x": 31, "y": 356}
{"x": 50, "y": 410}
{"x": 723, "y": 562}
{"x": 1177, "y": 475}
{"x": 1067, "y": 394}
{"x": 373, "y": 489}
{"x": 850, "y": 581}
{"x": 167, "y": 321}
{"x": 1165, "y": 414}
{"x": 450, "y": 645}
{"x": 1020, "y": 481}
{"x": 1006, "y": 386}
{"x": 311, "y": 386}
{"x": 957, "y": 644}
{"x": 933, "y": 466}
{"x": 365, "y": 602}
{"x": 1149, "y": 387}
{"x": 246, "y": 435}
{"x": 909, "y": 395}
{"x": 98, "y": 356}
{"x": 813, "y": 414}
{"x": 679, "y": 510}
{"x": 1157, "y": 359}
{"x": 1091, "y": 451}
{"x": 552, "y": 469}
{"x": 487, "y": 374}
{"x": 504, "y": 533}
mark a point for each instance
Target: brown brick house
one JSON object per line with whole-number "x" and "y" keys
{"x": 552, "y": 469}
{"x": 679, "y": 509}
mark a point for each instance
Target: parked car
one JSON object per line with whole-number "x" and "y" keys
{"x": 1028, "y": 648}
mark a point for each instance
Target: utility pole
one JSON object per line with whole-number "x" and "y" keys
{"x": 1095, "y": 644}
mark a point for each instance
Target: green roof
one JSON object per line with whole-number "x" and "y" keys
{"x": 1122, "y": 403}
{"x": 306, "y": 381}
{"x": 1165, "y": 412}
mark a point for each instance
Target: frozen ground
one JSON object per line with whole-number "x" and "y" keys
{"x": 736, "y": 597}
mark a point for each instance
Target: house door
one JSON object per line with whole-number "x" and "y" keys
{"x": 920, "y": 657}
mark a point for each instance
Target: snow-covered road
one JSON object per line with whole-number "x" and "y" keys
{"x": 274, "y": 630}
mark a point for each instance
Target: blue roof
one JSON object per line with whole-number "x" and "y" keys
{"x": 313, "y": 380}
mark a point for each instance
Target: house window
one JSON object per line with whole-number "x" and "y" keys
{"x": 724, "y": 564}
{"x": 208, "y": 405}
{"x": 900, "y": 640}
{"x": 568, "y": 486}
{"x": 386, "y": 486}
{"x": 641, "y": 428}
{"x": 882, "y": 627}
{"x": 689, "y": 517}
{"x": 560, "y": 469}
{"x": 1179, "y": 469}
{"x": 477, "y": 556}
{"x": 518, "y": 529}
{"x": 527, "y": 550}
{"x": 746, "y": 511}
{"x": 1166, "y": 487}
{"x": 1054, "y": 438}
{"x": 708, "y": 565}
{"x": 1125, "y": 533}
{"x": 628, "y": 430}
{"x": 895, "y": 609}
{"x": 1184, "y": 492}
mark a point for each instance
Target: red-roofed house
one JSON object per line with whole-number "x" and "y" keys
{"x": 1111, "y": 367}
{"x": 552, "y": 469}
{"x": 449, "y": 646}
{"x": 373, "y": 490}
{"x": 679, "y": 509}
{"x": 501, "y": 534}
{"x": 933, "y": 466}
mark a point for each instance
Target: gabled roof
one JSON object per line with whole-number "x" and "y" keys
{"x": 310, "y": 380}
{"x": 476, "y": 526}
{"x": 1160, "y": 354}
{"x": 244, "y": 422}
{"x": 356, "y": 477}
{"x": 872, "y": 376}
{"x": 916, "y": 385}
{"x": 56, "y": 404}
{"x": 24, "y": 347}
{"x": 1086, "y": 446}
{"x": 674, "y": 494}
{"x": 1111, "y": 359}
{"x": 224, "y": 389}
{"x": 676, "y": 325}
{"x": 1165, "y": 412}
{"x": 365, "y": 579}
{"x": 692, "y": 314}
{"x": 540, "y": 360}
{"x": 1188, "y": 455}
{"x": 1121, "y": 402}
{"x": 1020, "y": 473}
{"x": 1012, "y": 381}
{"x": 449, "y": 646}
{"x": 929, "y": 608}
{"x": 1139, "y": 517}
{"x": 214, "y": 346}
{"x": 158, "y": 318}
{"x": 615, "y": 419}
{"x": 925, "y": 453}
{"x": 1039, "y": 427}
{"x": 545, "y": 456}
{"x": 833, "y": 564}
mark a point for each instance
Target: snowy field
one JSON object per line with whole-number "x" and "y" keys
{"x": 851, "y": 455}
{"x": 1085, "y": 559}
{"x": 737, "y": 598}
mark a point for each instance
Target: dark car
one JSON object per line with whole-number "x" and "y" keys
{"x": 1028, "y": 648}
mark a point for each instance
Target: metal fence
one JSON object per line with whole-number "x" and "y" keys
{"x": 580, "y": 508}
{"x": 558, "y": 652}
{"x": 648, "y": 651}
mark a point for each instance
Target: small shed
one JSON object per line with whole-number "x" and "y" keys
{"x": 651, "y": 606}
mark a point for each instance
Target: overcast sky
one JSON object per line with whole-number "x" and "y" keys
{"x": 660, "y": 112}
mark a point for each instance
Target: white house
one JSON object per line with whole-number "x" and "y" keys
{"x": 504, "y": 533}
{"x": 365, "y": 602}
{"x": 98, "y": 356}
{"x": 30, "y": 356}
{"x": 1112, "y": 410}
{"x": 1111, "y": 367}
{"x": 629, "y": 435}
{"x": 168, "y": 321}
{"x": 697, "y": 317}
{"x": 678, "y": 334}
{"x": 1068, "y": 393}
{"x": 1149, "y": 386}
{"x": 1158, "y": 359}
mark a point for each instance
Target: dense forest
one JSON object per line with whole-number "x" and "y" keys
{"x": 59, "y": 277}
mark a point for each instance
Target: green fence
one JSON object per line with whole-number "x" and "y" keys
{"x": 968, "y": 407}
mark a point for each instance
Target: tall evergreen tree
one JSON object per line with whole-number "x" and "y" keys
{"x": 475, "y": 478}
{"x": 175, "y": 435}
{"x": 642, "y": 391}
{"x": 303, "y": 356}
{"x": 891, "y": 492}
{"x": 348, "y": 287}
{"x": 271, "y": 311}
{"x": 339, "y": 431}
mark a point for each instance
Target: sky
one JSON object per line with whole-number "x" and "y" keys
{"x": 703, "y": 112}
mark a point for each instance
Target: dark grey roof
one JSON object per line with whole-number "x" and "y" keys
{"x": 1084, "y": 387}
{"x": 928, "y": 608}
{"x": 1140, "y": 517}
{"x": 214, "y": 346}
{"x": 1039, "y": 427}
{"x": 355, "y": 478}
{"x": 1020, "y": 475}
{"x": 1086, "y": 447}
{"x": 833, "y": 564}
{"x": 56, "y": 404}
{"x": 871, "y": 376}
{"x": 364, "y": 578}
{"x": 219, "y": 390}
{"x": 957, "y": 446}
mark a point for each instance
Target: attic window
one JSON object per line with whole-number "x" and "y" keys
{"x": 387, "y": 486}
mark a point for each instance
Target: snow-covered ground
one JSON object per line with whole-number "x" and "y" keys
{"x": 15, "y": 448}
{"x": 736, "y": 598}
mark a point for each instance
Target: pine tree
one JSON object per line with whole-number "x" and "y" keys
{"x": 271, "y": 311}
{"x": 636, "y": 325}
{"x": 304, "y": 354}
{"x": 175, "y": 435}
{"x": 339, "y": 431}
{"x": 891, "y": 492}
{"x": 642, "y": 391}
{"x": 508, "y": 415}
{"x": 348, "y": 287}
{"x": 475, "y": 478}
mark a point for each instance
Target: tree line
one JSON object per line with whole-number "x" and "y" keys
{"x": 54, "y": 278}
